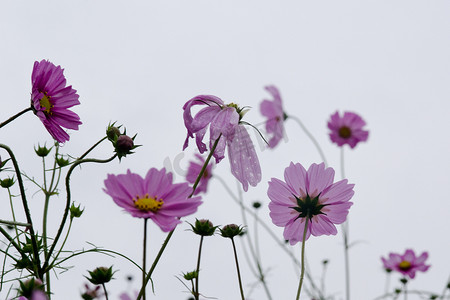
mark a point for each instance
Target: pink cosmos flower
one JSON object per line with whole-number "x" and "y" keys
{"x": 51, "y": 98}
{"x": 308, "y": 196}
{"x": 347, "y": 129}
{"x": 222, "y": 120}
{"x": 406, "y": 264}
{"x": 224, "y": 124}
{"x": 193, "y": 171}
{"x": 154, "y": 197}
{"x": 273, "y": 110}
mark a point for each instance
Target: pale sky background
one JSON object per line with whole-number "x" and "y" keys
{"x": 138, "y": 62}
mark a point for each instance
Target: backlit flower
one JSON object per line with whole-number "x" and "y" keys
{"x": 51, "y": 98}
{"x": 243, "y": 159}
{"x": 193, "y": 172}
{"x": 407, "y": 264}
{"x": 347, "y": 129}
{"x": 308, "y": 196}
{"x": 225, "y": 124}
{"x": 154, "y": 197}
{"x": 273, "y": 110}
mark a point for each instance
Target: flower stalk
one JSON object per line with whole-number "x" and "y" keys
{"x": 302, "y": 272}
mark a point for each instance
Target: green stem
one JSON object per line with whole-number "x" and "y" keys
{"x": 63, "y": 243}
{"x": 196, "y": 291}
{"x": 254, "y": 253}
{"x": 237, "y": 269}
{"x": 66, "y": 210}
{"x": 166, "y": 241}
{"x": 345, "y": 232}
{"x": 11, "y": 240}
{"x": 144, "y": 256}
{"x": 16, "y": 116}
{"x": 152, "y": 268}
{"x": 14, "y": 223}
{"x": 26, "y": 210}
{"x": 302, "y": 273}
{"x": 405, "y": 292}
{"x": 106, "y": 293}
{"x": 92, "y": 148}
{"x": 311, "y": 137}
{"x": 194, "y": 187}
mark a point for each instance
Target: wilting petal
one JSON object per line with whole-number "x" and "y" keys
{"x": 243, "y": 159}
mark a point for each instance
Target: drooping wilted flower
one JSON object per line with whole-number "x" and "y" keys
{"x": 225, "y": 128}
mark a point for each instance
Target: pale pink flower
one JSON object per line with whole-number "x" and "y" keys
{"x": 273, "y": 110}
{"x": 407, "y": 264}
{"x": 225, "y": 124}
{"x": 51, "y": 98}
{"x": 308, "y": 196}
{"x": 347, "y": 129}
{"x": 154, "y": 197}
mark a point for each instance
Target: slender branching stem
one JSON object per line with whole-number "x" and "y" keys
{"x": 196, "y": 291}
{"x": 92, "y": 148}
{"x": 11, "y": 240}
{"x": 237, "y": 269}
{"x": 254, "y": 252}
{"x": 144, "y": 256}
{"x": 16, "y": 116}
{"x": 66, "y": 210}
{"x": 311, "y": 137}
{"x": 26, "y": 210}
{"x": 155, "y": 262}
{"x": 63, "y": 243}
{"x": 302, "y": 273}
{"x": 166, "y": 241}
{"x": 199, "y": 177}
{"x": 14, "y": 223}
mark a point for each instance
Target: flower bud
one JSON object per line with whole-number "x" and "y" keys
{"x": 62, "y": 162}
{"x": 27, "y": 288}
{"x": 190, "y": 275}
{"x": 100, "y": 275}
{"x": 203, "y": 227}
{"x": 75, "y": 211}
{"x": 42, "y": 151}
{"x": 123, "y": 145}
{"x": 256, "y": 204}
{"x": 112, "y": 132}
{"x": 7, "y": 182}
{"x": 231, "y": 230}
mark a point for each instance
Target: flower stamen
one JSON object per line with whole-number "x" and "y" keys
{"x": 404, "y": 265}
{"x": 345, "y": 132}
{"x": 148, "y": 203}
{"x": 46, "y": 104}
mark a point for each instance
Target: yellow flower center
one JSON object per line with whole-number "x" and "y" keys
{"x": 45, "y": 103}
{"x": 345, "y": 132}
{"x": 404, "y": 265}
{"x": 148, "y": 203}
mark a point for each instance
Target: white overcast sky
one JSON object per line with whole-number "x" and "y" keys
{"x": 138, "y": 62}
